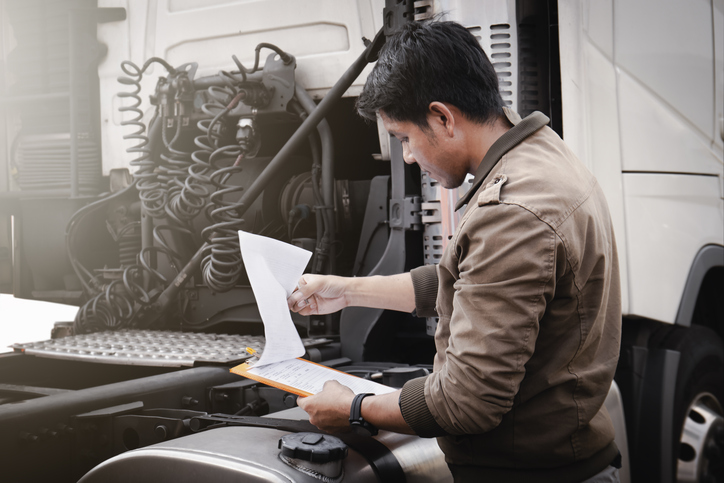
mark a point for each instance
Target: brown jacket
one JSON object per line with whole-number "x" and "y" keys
{"x": 529, "y": 303}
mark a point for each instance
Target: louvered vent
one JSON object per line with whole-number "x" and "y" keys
{"x": 423, "y": 9}
{"x": 530, "y": 95}
{"x": 501, "y": 58}
{"x": 475, "y": 30}
{"x": 43, "y": 162}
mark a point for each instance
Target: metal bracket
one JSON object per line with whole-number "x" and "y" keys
{"x": 397, "y": 13}
{"x": 405, "y": 213}
{"x": 430, "y": 212}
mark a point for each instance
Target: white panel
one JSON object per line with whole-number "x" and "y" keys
{"x": 590, "y": 117}
{"x": 236, "y": 28}
{"x": 655, "y": 137}
{"x": 302, "y": 40}
{"x": 668, "y": 46}
{"x": 718, "y": 9}
{"x": 126, "y": 40}
{"x": 598, "y": 24}
{"x": 574, "y": 93}
{"x": 668, "y": 219}
{"x": 182, "y": 5}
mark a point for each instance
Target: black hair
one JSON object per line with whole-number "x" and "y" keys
{"x": 427, "y": 62}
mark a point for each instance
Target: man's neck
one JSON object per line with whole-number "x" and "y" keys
{"x": 483, "y": 137}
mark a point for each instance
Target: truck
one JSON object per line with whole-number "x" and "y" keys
{"x": 139, "y": 137}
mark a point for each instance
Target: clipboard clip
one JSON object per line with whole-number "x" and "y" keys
{"x": 254, "y": 355}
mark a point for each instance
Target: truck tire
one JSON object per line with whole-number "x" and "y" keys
{"x": 698, "y": 416}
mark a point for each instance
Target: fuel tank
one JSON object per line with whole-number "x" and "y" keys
{"x": 254, "y": 454}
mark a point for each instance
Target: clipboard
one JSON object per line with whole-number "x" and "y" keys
{"x": 305, "y": 378}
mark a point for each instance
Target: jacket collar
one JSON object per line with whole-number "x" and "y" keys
{"x": 522, "y": 128}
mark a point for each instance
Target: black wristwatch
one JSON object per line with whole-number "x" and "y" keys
{"x": 358, "y": 423}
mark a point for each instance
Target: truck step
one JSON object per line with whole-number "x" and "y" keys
{"x": 152, "y": 347}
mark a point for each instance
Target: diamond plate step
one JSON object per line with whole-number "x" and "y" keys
{"x": 152, "y": 347}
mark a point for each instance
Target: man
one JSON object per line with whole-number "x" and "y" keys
{"x": 527, "y": 291}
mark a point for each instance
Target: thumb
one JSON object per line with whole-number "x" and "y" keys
{"x": 307, "y": 285}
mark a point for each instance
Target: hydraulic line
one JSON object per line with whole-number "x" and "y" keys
{"x": 316, "y": 174}
{"x": 192, "y": 197}
{"x": 174, "y": 172}
{"x": 326, "y": 243}
{"x": 221, "y": 267}
{"x": 151, "y": 192}
{"x": 120, "y": 302}
{"x": 321, "y": 221}
{"x": 129, "y": 243}
{"x": 85, "y": 277}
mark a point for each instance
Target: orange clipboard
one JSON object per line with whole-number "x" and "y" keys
{"x": 242, "y": 370}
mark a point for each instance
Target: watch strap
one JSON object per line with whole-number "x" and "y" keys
{"x": 355, "y": 415}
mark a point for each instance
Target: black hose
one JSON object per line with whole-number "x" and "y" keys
{"x": 70, "y": 232}
{"x": 221, "y": 80}
{"x": 151, "y": 191}
{"x": 326, "y": 243}
{"x": 319, "y": 256}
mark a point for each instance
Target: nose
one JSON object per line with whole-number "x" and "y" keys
{"x": 407, "y": 154}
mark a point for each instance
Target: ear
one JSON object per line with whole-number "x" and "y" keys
{"x": 441, "y": 116}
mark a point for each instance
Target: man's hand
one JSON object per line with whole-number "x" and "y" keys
{"x": 318, "y": 294}
{"x": 324, "y": 294}
{"x": 329, "y": 409}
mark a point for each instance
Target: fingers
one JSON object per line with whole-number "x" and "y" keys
{"x": 302, "y": 300}
{"x": 302, "y": 402}
{"x": 331, "y": 385}
{"x": 307, "y": 284}
{"x": 298, "y": 303}
{"x": 329, "y": 408}
{"x": 306, "y": 308}
{"x": 318, "y": 294}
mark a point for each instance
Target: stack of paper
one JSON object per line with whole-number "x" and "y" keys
{"x": 274, "y": 268}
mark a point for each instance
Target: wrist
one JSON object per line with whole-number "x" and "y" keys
{"x": 353, "y": 291}
{"x": 356, "y": 420}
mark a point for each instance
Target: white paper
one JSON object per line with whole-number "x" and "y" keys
{"x": 274, "y": 268}
{"x": 311, "y": 377}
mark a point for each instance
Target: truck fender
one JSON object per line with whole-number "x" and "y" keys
{"x": 708, "y": 257}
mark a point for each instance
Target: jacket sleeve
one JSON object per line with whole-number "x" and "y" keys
{"x": 424, "y": 283}
{"x": 505, "y": 258}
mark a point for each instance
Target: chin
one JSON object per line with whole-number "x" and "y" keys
{"x": 451, "y": 184}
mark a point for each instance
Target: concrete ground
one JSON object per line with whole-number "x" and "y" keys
{"x": 29, "y": 320}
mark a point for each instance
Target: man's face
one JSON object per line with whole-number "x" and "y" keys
{"x": 431, "y": 149}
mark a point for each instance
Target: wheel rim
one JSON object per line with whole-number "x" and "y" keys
{"x": 702, "y": 441}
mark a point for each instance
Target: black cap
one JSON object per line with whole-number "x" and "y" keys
{"x": 313, "y": 447}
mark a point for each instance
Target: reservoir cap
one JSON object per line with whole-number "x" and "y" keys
{"x": 313, "y": 447}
